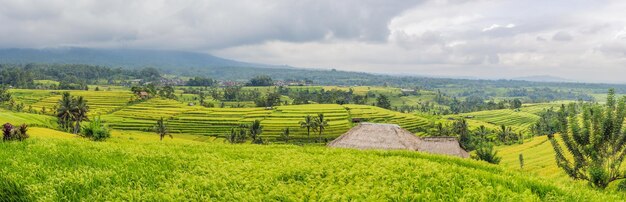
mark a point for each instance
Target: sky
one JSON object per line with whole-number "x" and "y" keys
{"x": 576, "y": 40}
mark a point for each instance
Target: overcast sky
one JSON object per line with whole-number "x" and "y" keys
{"x": 579, "y": 40}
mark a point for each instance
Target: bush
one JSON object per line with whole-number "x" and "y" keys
{"x": 7, "y": 132}
{"x": 96, "y": 130}
{"x": 11, "y": 191}
{"x": 487, "y": 153}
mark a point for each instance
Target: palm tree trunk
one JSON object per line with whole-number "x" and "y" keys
{"x": 77, "y": 125}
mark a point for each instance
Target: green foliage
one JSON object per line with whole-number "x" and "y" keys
{"x": 383, "y": 102}
{"x": 96, "y": 130}
{"x": 200, "y": 81}
{"x": 161, "y": 129}
{"x": 71, "y": 111}
{"x": 320, "y": 124}
{"x": 485, "y": 152}
{"x": 261, "y": 80}
{"x": 598, "y": 145}
{"x": 308, "y": 123}
{"x": 255, "y": 130}
{"x": 461, "y": 129}
{"x": 12, "y": 191}
{"x": 285, "y": 135}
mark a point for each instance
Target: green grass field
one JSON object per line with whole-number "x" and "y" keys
{"x": 55, "y": 166}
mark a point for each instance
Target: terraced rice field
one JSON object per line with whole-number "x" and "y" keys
{"x": 520, "y": 121}
{"x": 378, "y": 115}
{"x": 17, "y": 118}
{"x": 197, "y": 120}
{"x": 100, "y": 102}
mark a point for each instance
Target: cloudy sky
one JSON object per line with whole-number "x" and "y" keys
{"x": 578, "y": 40}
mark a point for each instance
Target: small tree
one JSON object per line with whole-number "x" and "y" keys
{"x": 320, "y": 124}
{"x": 598, "y": 146}
{"x": 161, "y": 129}
{"x": 486, "y": 153}
{"x": 308, "y": 123}
{"x": 255, "y": 131}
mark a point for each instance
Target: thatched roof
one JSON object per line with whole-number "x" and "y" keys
{"x": 443, "y": 145}
{"x": 377, "y": 136}
{"x": 392, "y": 137}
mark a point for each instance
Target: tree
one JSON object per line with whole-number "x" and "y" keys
{"x": 308, "y": 123}
{"x": 161, "y": 129}
{"x": 79, "y": 111}
{"x": 255, "y": 130}
{"x": 460, "y": 128}
{"x": 506, "y": 135}
{"x": 285, "y": 135}
{"x": 597, "y": 146}
{"x": 383, "y": 102}
{"x": 320, "y": 125}
{"x": 261, "y": 80}
{"x": 516, "y": 103}
{"x": 65, "y": 109}
{"x": 5, "y": 96}
{"x": 485, "y": 152}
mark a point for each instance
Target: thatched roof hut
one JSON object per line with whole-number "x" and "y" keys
{"x": 443, "y": 145}
{"x": 393, "y": 137}
{"x": 377, "y": 136}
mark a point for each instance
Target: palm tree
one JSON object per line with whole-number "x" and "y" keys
{"x": 255, "y": 130}
{"x": 80, "y": 112}
{"x": 320, "y": 125}
{"x": 308, "y": 123}
{"x": 161, "y": 129}
{"x": 65, "y": 107}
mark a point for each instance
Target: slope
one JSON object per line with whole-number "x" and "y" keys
{"x": 138, "y": 167}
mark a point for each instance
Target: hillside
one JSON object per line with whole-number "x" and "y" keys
{"x": 136, "y": 166}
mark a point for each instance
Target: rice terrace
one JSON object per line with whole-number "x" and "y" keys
{"x": 312, "y": 101}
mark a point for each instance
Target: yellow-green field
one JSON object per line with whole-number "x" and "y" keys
{"x": 131, "y": 166}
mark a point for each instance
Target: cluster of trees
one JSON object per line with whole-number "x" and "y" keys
{"x": 545, "y": 94}
{"x": 551, "y": 121}
{"x": 10, "y": 133}
{"x": 260, "y": 80}
{"x": 481, "y": 139}
{"x": 70, "y": 76}
{"x": 150, "y": 90}
{"x": 201, "y": 81}
{"x": 316, "y": 124}
{"x": 322, "y": 96}
{"x": 241, "y": 133}
{"x": 71, "y": 111}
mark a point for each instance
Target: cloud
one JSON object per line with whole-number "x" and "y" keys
{"x": 496, "y": 26}
{"x": 562, "y": 36}
{"x": 484, "y": 38}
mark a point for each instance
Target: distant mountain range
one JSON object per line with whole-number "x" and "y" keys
{"x": 543, "y": 78}
{"x": 130, "y": 58}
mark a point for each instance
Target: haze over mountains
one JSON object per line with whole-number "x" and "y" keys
{"x": 136, "y": 58}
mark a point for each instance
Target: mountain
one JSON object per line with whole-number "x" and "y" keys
{"x": 130, "y": 58}
{"x": 543, "y": 78}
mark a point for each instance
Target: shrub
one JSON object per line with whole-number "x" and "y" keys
{"x": 21, "y": 133}
{"x": 96, "y": 130}
{"x": 486, "y": 153}
{"x": 7, "y": 132}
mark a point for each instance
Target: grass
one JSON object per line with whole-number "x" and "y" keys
{"x": 17, "y": 118}
{"x": 56, "y": 166}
